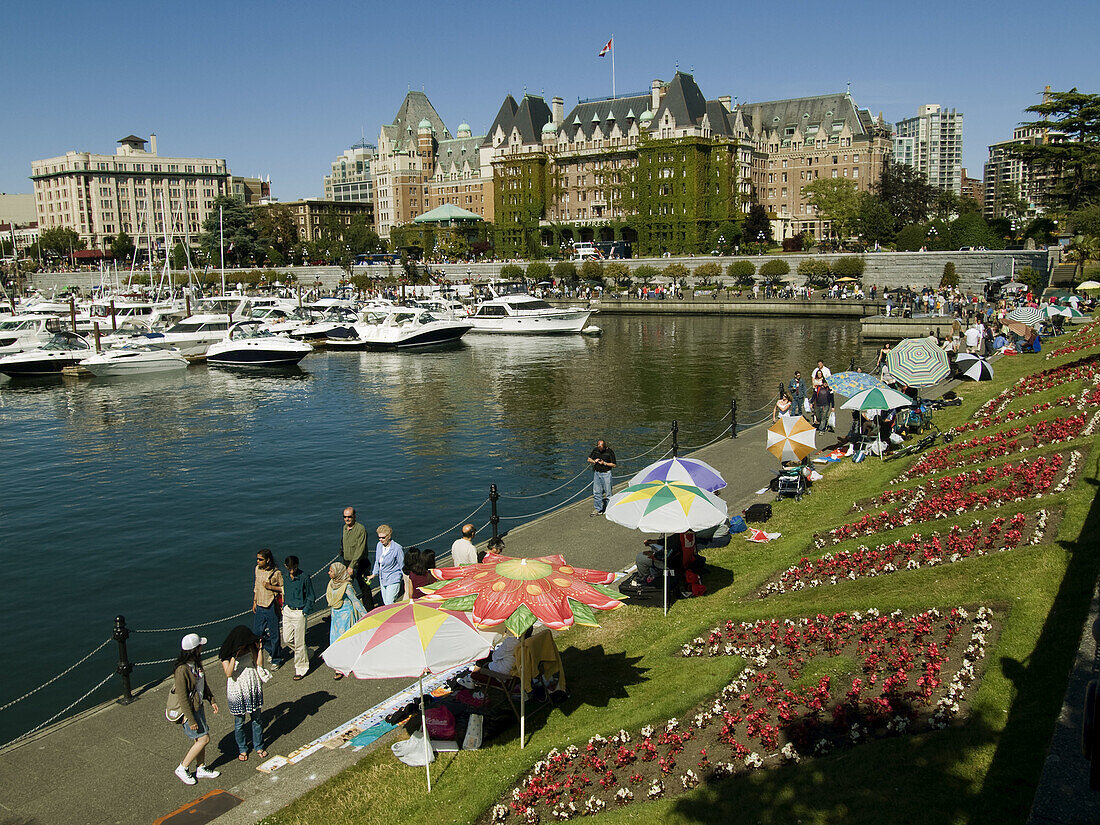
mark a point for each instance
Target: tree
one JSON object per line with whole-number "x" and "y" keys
{"x": 906, "y": 193}
{"x": 758, "y": 228}
{"x": 816, "y": 272}
{"x": 850, "y": 266}
{"x": 538, "y": 271}
{"x": 565, "y": 272}
{"x": 741, "y": 272}
{"x": 511, "y": 272}
{"x": 122, "y": 247}
{"x": 180, "y": 257}
{"x": 971, "y": 229}
{"x": 58, "y": 242}
{"x": 645, "y": 274}
{"x": 774, "y": 270}
{"x": 708, "y": 273}
{"x": 836, "y": 200}
{"x": 1030, "y": 277}
{"x": 1074, "y": 162}
{"x": 1086, "y": 221}
{"x": 677, "y": 273}
{"x": 1084, "y": 248}
{"x": 618, "y": 273}
{"x": 241, "y": 242}
{"x": 874, "y": 221}
{"x": 592, "y": 270}
{"x": 276, "y": 227}
{"x": 451, "y": 244}
{"x": 950, "y": 276}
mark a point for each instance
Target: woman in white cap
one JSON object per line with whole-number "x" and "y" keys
{"x": 185, "y": 705}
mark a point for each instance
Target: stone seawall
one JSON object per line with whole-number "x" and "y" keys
{"x": 755, "y": 308}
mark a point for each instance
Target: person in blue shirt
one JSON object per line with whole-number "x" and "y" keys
{"x": 298, "y": 599}
{"x": 389, "y": 561}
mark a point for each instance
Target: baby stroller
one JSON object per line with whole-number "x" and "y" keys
{"x": 792, "y": 481}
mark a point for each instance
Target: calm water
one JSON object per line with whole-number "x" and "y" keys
{"x": 149, "y": 496}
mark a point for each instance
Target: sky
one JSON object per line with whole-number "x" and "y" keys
{"x": 280, "y": 89}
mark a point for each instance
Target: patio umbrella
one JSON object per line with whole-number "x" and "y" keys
{"x": 687, "y": 470}
{"x": 1050, "y": 310}
{"x": 973, "y": 368}
{"x": 917, "y": 362}
{"x": 516, "y": 593}
{"x": 666, "y": 507}
{"x": 850, "y": 383}
{"x": 1014, "y": 286}
{"x": 791, "y": 438}
{"x": 1026, "y": 315}
{"x": 407, "y": 639}
{"x": 1088, "y": 286}
{"x": 877, "y": 400}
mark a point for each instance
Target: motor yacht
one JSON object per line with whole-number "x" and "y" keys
{"x": 512, "y": 310}
{"x": 19, "y": 333}
{"x": 402, "y": 328}
{"x": 134, "y": 359}
{"x": 336, "y": 321}
{"x": 64, "y": 349}
{"x": 248, "y": 344}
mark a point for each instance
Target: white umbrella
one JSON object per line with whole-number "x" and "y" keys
{"x": 1026, "y": 315}
{"x": 973, "y": 367}
{"x": 877, "y": 399}
{"x": 791, "y": 438}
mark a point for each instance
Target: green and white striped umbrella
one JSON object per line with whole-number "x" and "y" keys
{"x": 877, "y": 399}
{"x": 1026, "y": 315}
{"x": 918, "y": 362}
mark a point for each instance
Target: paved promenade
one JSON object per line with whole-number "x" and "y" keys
{"x": 114, "y": 764}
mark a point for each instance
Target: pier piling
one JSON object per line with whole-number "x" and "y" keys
{"x": 733, "y": 418}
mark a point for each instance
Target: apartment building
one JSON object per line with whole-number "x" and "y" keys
{"x": 314, "y": 215}
{"x": 1013, "y": 189}
{"x": 350, "y": 177}
{"x": 931, "y": 143}
{"x": 135, "y": 190}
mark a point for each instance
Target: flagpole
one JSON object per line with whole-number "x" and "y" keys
{"x": 612, "y": 67}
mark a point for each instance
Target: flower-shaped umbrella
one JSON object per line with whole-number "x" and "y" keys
{"x": 973, "y": 368}
{"x": 791, "y": 438}
{"x": 850, "y": 383}
{"x": 687, "y": 470}
{"x": 917, "y": 362}
{"x": 1026, "y": 315}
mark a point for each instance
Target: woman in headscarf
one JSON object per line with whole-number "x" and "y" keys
{"x": 346, "y": 607}
{"x": 242, "y": 657}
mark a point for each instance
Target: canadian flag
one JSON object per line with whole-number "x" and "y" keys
{"x": 607, "y": 48}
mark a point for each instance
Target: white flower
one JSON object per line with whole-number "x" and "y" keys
{"x": 594, "y": 805}
{"x": 656, "y": 789}
{"x": 500, "y": 813}
{"x": 790, "y": 754}
{"x": 624, "y": 795}
{"x": 647, "y": 732}
{"x": 754, "y": 761}
{"x": 689, "y": 779}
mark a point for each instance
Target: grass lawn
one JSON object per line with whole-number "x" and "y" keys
{"x": 629, "y": 673}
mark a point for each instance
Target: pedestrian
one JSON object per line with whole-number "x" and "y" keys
{"x": 298, "y": 599}
{"x": 189, "y": 691}
{"x": 782, "y": 406}
{"x": 267, "y": 594}
{"x": 242, "y": 658}
{"x": 796, "y": 387}
{"x": 602, "y": 459}
{"x": 416, "y": 572}
{"x": 883, "y": 353}
{"x": 463, "y": 550}
{"x": 346, "y": 607}
{"x": 353, "y": 549}
{"x": 389, "y": 559}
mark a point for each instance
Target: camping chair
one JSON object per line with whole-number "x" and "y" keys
{"x": 541, "y": 658}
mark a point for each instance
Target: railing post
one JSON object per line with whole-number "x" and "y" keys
{"x": 125, "y": 668}
{"x": 494, "y": 519}
{"x": 852, "y": 364}
{"x": 675, "y": 438}
{"x": 733, "y": 418}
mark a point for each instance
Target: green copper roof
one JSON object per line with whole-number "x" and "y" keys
{"x": 447, "y": 212}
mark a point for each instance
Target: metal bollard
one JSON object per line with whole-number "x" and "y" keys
{"x": 494, "y": 519}
{"x": 125, "y": 668}
{"x": 675, "y": 438}
{"x": 852, "y": 365}
{"x": 733, "y": 418}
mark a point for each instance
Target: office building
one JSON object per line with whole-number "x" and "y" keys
{"x": 931, "y": 143}
{"x": 350, "y": 178}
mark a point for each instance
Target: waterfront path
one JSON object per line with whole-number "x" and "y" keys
{"x": 114, "y": 763}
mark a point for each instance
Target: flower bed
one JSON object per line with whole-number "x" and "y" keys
{"x": 1088, "y": 336}
{"x": 999, "y": 444}
{"x": 908, "y": 674}
{"x": 978, "y": 539}
{"x": 1084, "y": 369}
{"x": 1082, "y": 401}
{"x": 958, "y": 494}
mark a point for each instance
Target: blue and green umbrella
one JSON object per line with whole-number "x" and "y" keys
{"x": 850, "y": 383}
{"x": 918, "y": 362}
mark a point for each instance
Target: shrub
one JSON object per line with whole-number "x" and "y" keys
{"x": 950, "y": 276}
{"x": 816, "y": 272}
{"x": 774, "y": 270}
{"x": 511, "y": 271}
{"x": 795, "y": 243}
{"x": 565, "y": 271}
{"x": 645, "y": 274}
{"x": 708, "y": 273}
{"x": 741, "y": 272}
{"x": 850, "y": 266}
{"x": 677, "y": 273}
{"x": 592, "y": 270}
{"x": 538, "y": 271}
{"x": 618, "y": 273}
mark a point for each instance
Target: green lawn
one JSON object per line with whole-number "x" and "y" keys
{"x": 626, "y": 674}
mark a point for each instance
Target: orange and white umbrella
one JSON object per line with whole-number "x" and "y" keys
{"x": 791, "y": 438}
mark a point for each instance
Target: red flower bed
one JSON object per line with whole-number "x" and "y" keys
{"x": 996, "y": 445}
{"x": 1084, "y": 369}
{"x": 911, "y": 673}
{"x": 1087, "y": 337}
{"x": 959, "y": 543}
{"x": 957, "y": 494}
{"x": 1087, "y": 398}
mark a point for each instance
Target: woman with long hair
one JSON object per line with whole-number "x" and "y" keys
{"x": 417, "y": 570}
{"x": 242, "y": 658}
{"x": 189, "y": 691}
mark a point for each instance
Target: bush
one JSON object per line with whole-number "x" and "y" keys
{"x": 795, "y": 243}
{"x": 677, "y": 273}
{"x": 708, "y": 273}
{"x": 645, "y": 274}
{"x": 774, "y": 270}
{"x": 565, "y": 271}
{"x": 592, "y": 270}
{"x": 618, "y": 273}
{"x": 511, "y": 272}
{"x": 816, "y": 272}
{"x": 950, "y": 276}
{"x": 850, "y": 266}
{"x": 538, "y": 271}
{"x": 741, "y": 272}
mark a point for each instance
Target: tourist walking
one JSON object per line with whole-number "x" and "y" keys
{"x": 242, "y": 658}
{"x": 353, "y": 549}
{"x": 346, "y": 607}
{"x": 266, "y": 594}
{"x": 796, "y": 388}
{"x": 389, "y": 559}
{"x": 298, "y": 599}
{"x": 463, "y": 550}
{"x": 602, "y": 459}
{"x": 417, "y": 571}
{"x": 189, "y": 691}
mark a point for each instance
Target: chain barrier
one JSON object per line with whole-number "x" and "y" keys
{"x": 60, "y": 713}
{"x": 157, "y": 662}
{"x": 451, "y": 528}
{"x": 715, "y": 440}
{"x": 548, "y": 492}
{"x": 649, "y": 452}
{"x": 55, "y": 678}
{"x": 579, "y": 492}
{"x": 190, "y": 626}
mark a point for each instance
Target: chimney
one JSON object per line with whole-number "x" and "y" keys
{"x": 557, "y": 108}
{"x": 152, "y": 143}
{"x": 727, "y": 101}
{"x": 655, "y": 95}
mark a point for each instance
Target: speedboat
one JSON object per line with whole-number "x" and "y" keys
{"x": 134, "y": 359}
{"x": 337, "y": 320}
{"x": 512, "y": 310}
{"x": 64, "y": 349}
{"x": 193, "y": 335}
{"x": 402, "y": 328}
{"x": 248, "y": 344}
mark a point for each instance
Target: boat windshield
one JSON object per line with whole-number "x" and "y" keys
{"x": 249, "y": 331}
{"x": 510, "y": 288}
{"x": 66, "y": 341}
{"x": 15, "y": 325}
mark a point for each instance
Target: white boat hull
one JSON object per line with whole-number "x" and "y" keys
{"x": 566, "y": 321}
{"x": 114, "y": 364}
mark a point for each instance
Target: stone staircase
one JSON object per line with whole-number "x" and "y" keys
{"x": 1063, "y": 275}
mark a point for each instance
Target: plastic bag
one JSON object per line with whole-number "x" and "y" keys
{"x": 806, "y": 406}
{"x": 411, "y": 750}
{"x": 832, "y": 419}
{"x": 474, "y": 732}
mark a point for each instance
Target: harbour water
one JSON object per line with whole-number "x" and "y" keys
{"x": 148, "y": 497}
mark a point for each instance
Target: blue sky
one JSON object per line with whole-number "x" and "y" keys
{"x": 281, "y": 88}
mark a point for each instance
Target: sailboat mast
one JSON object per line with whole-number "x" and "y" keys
{"x": 221, "y": 246}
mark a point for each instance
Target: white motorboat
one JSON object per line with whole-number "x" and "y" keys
{"x": 193, "y": 335}
{"x": 64, "y": 349}
{"x": 337, "y": 320}
{"x": 134, "y": 359}
{"x": 248, "y": 344}
{"x": 19, "y": 333}
{"x": 402, "y": 328}
{"x": 512, "y": 310}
